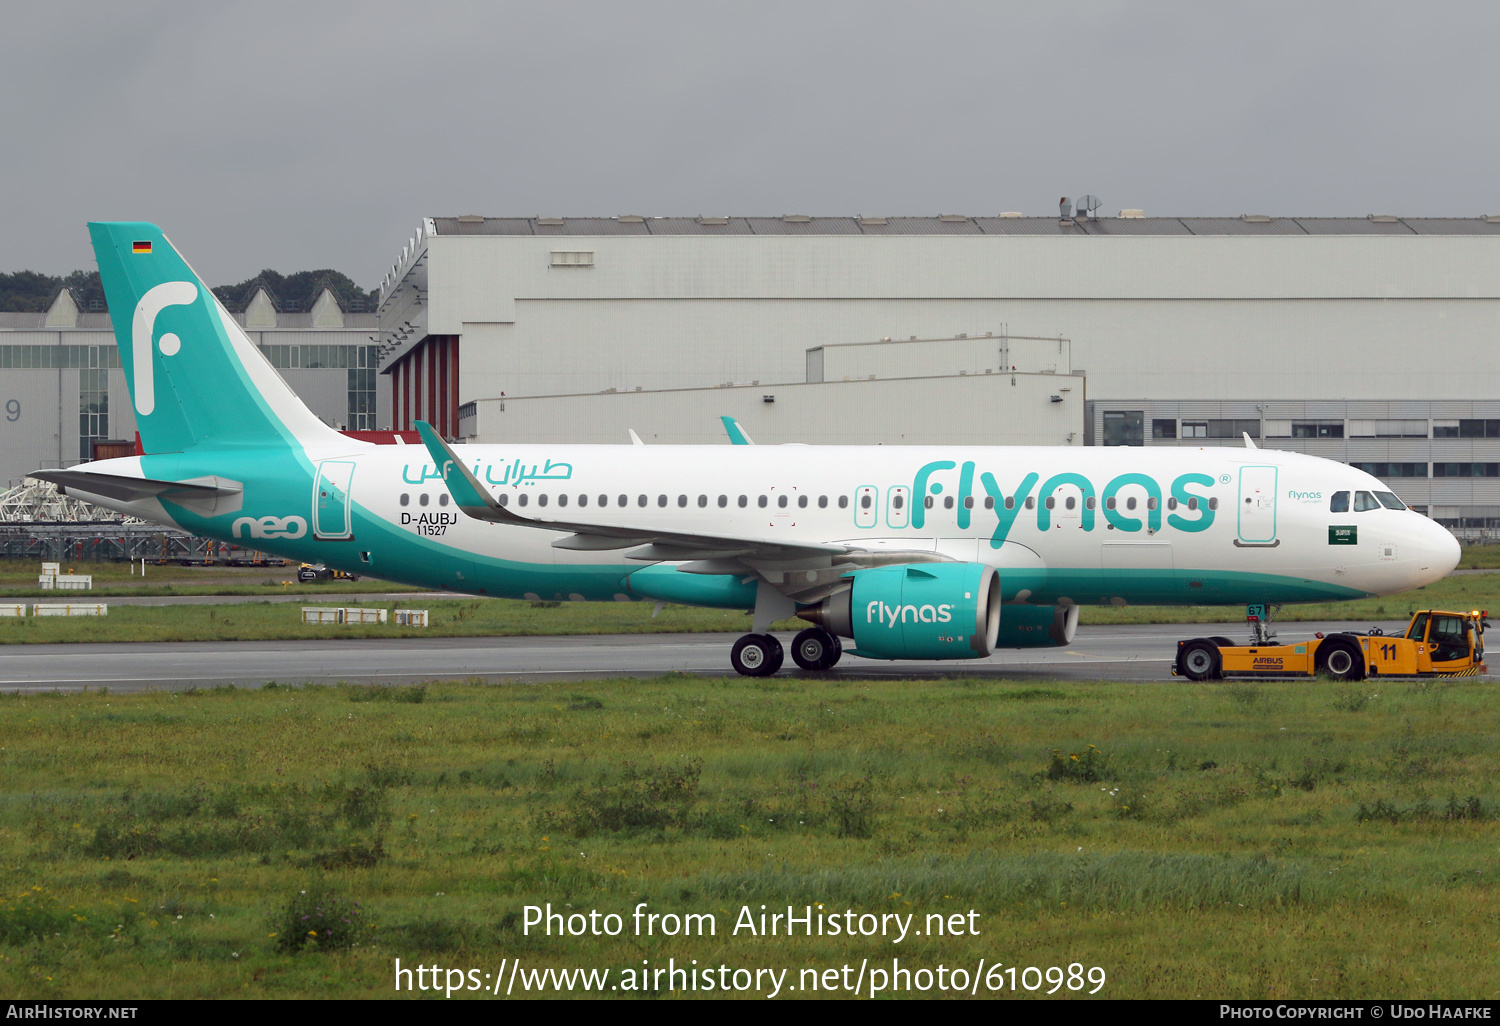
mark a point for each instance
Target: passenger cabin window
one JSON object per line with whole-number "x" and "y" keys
{"x": 422, "y": 499}
{"x": 661, "y": 500}
{"x": 1070, "y": 502}
{"x": 1389, "y": 500}
{"x": 822, "y": 502}
{"x": 864, "y": 502}
{"x": 801, "y": 502}
{"x": 1193, "y": 502}
{"x": 843, "y": 502}
{"x": 948, "y": 502}
{"x": 702, "y": 501}
{"x": 405, "y": 499}
{"x": 1030, "y": 502}
{"x": 1338, "y": 502}
{"x": 1364, "y": 501}
{"x": 1213, "y": 503}
{"x": 723, "y": 501}
{"x": 1051, "y": 502}
{"x": 781, "y": 501}
{"x": 504, "y": 499}
{"x": 927, "y": 502}
{"x": 1130, "y": 502}
{"x": 897, "y": 501}
{"x": 521, "y": 499}
{"x": 443, "y": 499}
{"x": 624, "y": 500}
{"x": 744, "y": 501}
{"x": 640, "y": 500}
{"x": 1172, "y": 502}
{"x": 761, "y": 502}
{"x": 541, "y": 500}
{"x": 968, "y": 502}
{"x": 681, "y": 501}
{"x": 562, "y": 500}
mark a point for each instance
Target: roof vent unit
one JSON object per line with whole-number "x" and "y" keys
{"x": 471, "y": 219}
{"x": 1065, "y": 209}
{"x": 797, "y": 219}
{"x": 1132, "y": 212}
{"x": 1087, "y": 205}
{"x": 631, "y": 219}
{"x": 1010, "y": 213}
{"x": 867, "y": 219}
{"x": 1492, "y": 218}
{"x": 1256, "y": 218}
{"x": 1383, "y": 218}
{"x": 714, "y": 221}
{"x": 550, "y": 222}
{"x": 952, "y": 219}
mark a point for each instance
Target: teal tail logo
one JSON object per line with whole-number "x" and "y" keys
{"x": 196, "y": 379}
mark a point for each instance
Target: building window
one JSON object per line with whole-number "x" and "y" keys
{"x": 1163, "y": 429}
{"x": 1194, "y": 429}
{"x": 93, "y": 405}
{"x": 1232, "y": 428}
{"x": 1478, "y": 429}
{"x": 1384, "y": 470}
{"x": 1124, "y": 427}
{"x": 1466, "y": 470}
{"x": 1318, "y": 429}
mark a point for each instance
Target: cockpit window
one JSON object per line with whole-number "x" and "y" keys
{"x": 1338, "y": 502}
{"x": 1389, "y": 500}
{"x": 1364, "y": 501}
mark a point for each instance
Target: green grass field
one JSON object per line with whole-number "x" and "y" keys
{"x": 1261, "y": 840}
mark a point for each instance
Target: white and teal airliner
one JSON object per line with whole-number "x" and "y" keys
{"x": 909, "y": 552}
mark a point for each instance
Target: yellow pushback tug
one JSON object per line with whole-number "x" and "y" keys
{"x": 1437, "y": 643}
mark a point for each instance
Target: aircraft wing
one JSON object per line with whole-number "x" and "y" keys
{"x": 647, "y": 544}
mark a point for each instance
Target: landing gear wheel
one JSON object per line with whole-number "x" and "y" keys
{"x": 1199, "y": 660}
{"x": 757, "y": 655}
{"x": 816, "y": 649}
{"x": 1342, "y": 662}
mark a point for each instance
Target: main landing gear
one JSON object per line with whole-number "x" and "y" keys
{"x": 760, "y": 655}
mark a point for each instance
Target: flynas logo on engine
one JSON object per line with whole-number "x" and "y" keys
{"x": 889, "y": 616}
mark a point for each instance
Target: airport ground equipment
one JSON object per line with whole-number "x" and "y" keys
{"x": 1437, "y": 643}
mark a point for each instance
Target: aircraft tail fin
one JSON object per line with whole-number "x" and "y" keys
{"x": 195, "y": 377}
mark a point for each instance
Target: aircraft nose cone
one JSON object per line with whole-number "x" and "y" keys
{"x": 1441, "y": 551}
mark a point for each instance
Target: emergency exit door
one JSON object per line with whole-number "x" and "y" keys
{"x": 331, "y": 516}
{"x": 1257, "y": 506}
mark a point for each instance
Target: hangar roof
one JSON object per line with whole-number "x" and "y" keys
{"x": 794, "y": 224}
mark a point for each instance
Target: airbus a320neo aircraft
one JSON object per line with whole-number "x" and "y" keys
{"x": 911, "y": 552}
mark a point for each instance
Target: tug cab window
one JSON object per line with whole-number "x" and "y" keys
{"x": 1449, "y": 637}
{"x": 1338, "y": 502}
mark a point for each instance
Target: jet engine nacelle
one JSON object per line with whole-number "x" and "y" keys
{"x": 916, "y": 611}
{"x": 1037, "y": 626}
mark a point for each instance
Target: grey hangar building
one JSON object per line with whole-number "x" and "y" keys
{"x": 1370, "y": 340}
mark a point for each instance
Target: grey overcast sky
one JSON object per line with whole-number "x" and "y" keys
{"x": 311, "y": 134}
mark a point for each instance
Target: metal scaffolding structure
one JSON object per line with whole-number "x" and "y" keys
{"x": 38, "y": 522}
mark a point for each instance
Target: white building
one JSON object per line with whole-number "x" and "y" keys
{"x": 63, "y": 397}
{"x": 1316, "y": 334}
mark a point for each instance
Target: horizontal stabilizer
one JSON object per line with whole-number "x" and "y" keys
{"x": 207, "y": 495}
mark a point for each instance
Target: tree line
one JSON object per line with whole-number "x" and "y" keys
{"x": 33, "y": 292}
